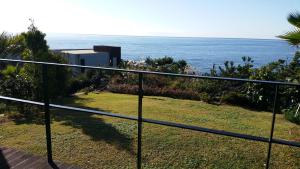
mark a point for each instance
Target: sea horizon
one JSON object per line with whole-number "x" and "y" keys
{"x": 200, "y": 52}
{"x": 51, "y": 34}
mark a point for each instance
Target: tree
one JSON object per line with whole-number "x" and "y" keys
{"x": 231, "y": 70}
{"x": 293, "y": 37}
{"x": 31, "y": 45}
{"x": 14, "y": 85}
{"x": 11, "y": 46}
{"x": 35, "y": 40}
{"x": 293, "y": 70}
{"x": 4, "y": 44}
{"x": 38, "y": 50}
{"x": 166, "y": 64}
{"x": 182, "y": 64}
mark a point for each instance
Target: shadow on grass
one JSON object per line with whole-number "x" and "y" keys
{"x": 91, "y": 125}
{"x": 3, "y": 161}
{"x": 33, "y": 115}
{"x": 32, "y": 119}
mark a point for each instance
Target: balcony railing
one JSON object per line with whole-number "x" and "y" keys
{"x": 140, "y": 119}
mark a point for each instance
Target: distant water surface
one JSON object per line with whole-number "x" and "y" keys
{"x": 201, "y": 53}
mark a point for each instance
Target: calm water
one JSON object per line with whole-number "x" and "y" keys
{"x": 201, "y": 53}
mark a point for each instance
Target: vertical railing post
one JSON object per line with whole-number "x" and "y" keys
{"x": 47, "y": 113}
{"x": 272, "y": 126}
{"x": 140, "y": 117}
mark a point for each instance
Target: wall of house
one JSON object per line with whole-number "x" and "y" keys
{"x": 96, "y": 59}
{"x": 92, "y": 59}
{"x": 114, "y": 53}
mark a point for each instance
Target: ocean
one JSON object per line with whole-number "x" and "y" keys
{"x": 200, "y": 53}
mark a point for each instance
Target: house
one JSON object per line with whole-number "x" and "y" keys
{"x": 105, "y": 56}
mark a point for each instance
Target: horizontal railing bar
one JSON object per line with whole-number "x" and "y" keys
{"x": 206, "y": 130}
{"x": 69, "y": 108}
{"x": 22, "y": 100}
{"x": 157, "y": 73}
{"x": 93, "y": 111}
{"x": 164, "y": 123}
{"x": 221, "y": 132}
{"x": 285, "y": 142}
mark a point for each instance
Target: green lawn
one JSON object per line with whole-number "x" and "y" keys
{"x": 93, "y": 141}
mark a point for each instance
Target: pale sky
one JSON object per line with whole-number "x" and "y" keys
{"x": 195, "y": 18}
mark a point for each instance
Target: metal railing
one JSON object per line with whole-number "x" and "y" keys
{"x": 140, "y": 120}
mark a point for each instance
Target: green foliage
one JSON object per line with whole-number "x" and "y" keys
{"x": 12, "y": 84}
{"x": 25, "y": 81}
{"x": 10, "y": 71}
{"x": 35, "y": 41}
{"x": 4, "y": 44}
{"x": 235, "y": 98}
{"x": 166, "y": 64}
{"x": 262, "y": 95}
{"x": 239, "y": 71}
{"x": 292, "y": 115}
{"x": 90, "y": 81}
{"x": 251, "y": 95}
{"x": 58, "y": 76}
{"x": 292, "y": 72}
{"x": 293, "y": 37}
{"x": 153, "y": 84}
{"x": 11, "y": 46}
{"x": 38, "y": 50}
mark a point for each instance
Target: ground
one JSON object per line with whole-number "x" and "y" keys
{"x": 93, "y": 141}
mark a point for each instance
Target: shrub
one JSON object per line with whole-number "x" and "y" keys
{"x": 154, "y": 91}
{"x": 290, "y": 114}
{"x": 123, "y": 88}
{"x": 205, "y": 97}
{"x": 77, "y": 84}
{"x": 235, "y": 98}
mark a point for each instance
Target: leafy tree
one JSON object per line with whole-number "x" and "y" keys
{"x": 166, "y": 64}
{"x": 293, "y": 70}
{"x": 293, "y": 37}
{"x": 31, "y": 45}
{"x": 239, "y": 71}
{"x": 182, "y": 65}
{"x": 11, "y": 46}
{"x": 12, "y": 84}
{"x": 58, "y": 76}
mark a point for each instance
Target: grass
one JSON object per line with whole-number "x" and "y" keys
{"x": 93, "y": 141}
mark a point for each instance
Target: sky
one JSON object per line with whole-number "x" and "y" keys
{"x": 182, "y": 18}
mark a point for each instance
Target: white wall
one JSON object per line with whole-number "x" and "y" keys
{"x": 91, "y": 59}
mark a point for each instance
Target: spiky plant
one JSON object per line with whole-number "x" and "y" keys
{"x": 293, "y": 37}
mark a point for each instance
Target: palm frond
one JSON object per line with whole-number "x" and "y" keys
{"x": 292, "y": 37}
{"x": 294, "y": 19}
